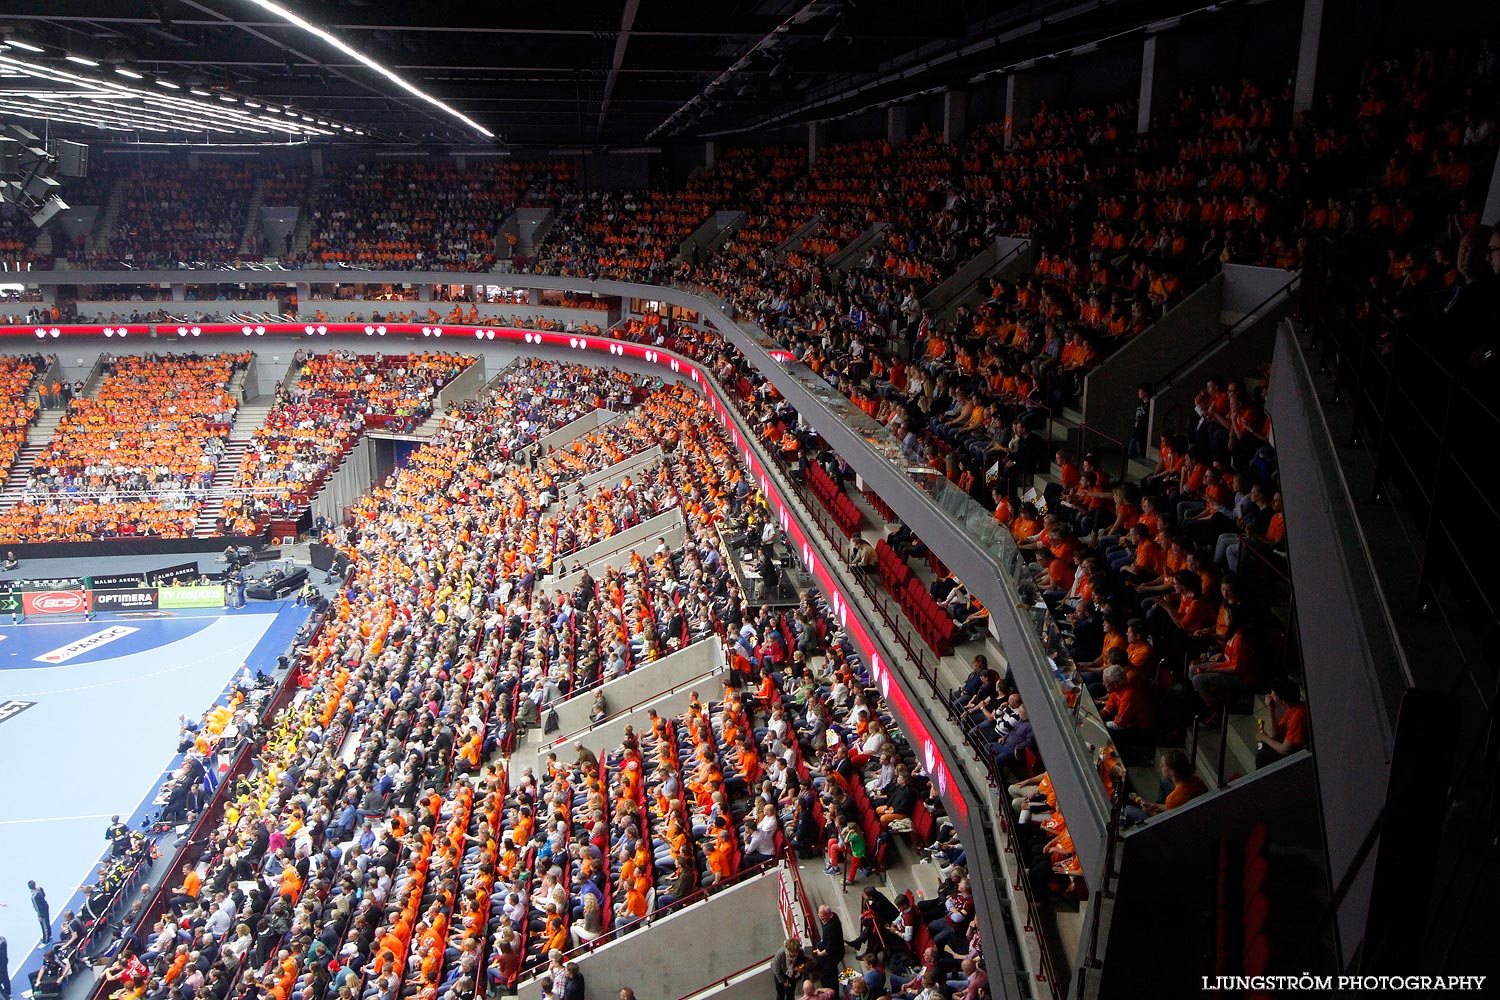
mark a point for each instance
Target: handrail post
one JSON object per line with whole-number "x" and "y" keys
{"x": 1223, "y": 742}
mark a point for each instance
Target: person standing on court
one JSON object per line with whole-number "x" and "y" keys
{"x": 4, "y": 969}
{"x": 43, "y": 912}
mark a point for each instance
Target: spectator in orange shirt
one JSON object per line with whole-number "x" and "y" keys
{"x": 1288, "y": 732}
{"x": 1186, "y": 785}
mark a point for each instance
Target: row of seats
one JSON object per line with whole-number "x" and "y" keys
{"x": 849, "y": 518}
{"x": 931, "y": 620}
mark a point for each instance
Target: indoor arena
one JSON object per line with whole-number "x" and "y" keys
{"x": 812, "y": 499}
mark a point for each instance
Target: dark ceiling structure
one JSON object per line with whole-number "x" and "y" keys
{"x": 582, "y": 73}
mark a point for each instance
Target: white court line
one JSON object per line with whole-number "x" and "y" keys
{"x": 54, "y": 819}
{"x": 234, "y": 650}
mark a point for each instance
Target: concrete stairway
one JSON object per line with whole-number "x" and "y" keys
{"x": 249, "y": 418}
{"x": 302, "y": 232}
{"x": 208, "y": 514}
{"x": 104, "y": 225}
{"x": 37, "y": 439}
{"x": 250, "y": 236}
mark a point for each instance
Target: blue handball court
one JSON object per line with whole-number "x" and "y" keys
{"x": 89, "y": 728}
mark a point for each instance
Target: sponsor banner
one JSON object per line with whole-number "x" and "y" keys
{"x": 182, "y": 571}
{"x": 11, "y": 709}
{"x": 10, "y": 602}
{"x": 132, "y": 599}
{"x": 190, "y": 597}
{"x": 117, "y": 581}
{"x": 62, "y": 654}
{"x": 55, "y": 602}
{"x": 56, "y": 583}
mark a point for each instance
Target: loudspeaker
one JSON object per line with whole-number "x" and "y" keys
{"x": 72, "y": 158}
{"x": 268, "y": 555}
{"x": 44, "y": 215}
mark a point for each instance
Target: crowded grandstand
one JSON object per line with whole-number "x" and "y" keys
{"x": 939, "y": 545}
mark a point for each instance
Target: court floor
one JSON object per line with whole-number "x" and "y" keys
{"x": 88, "y": 728}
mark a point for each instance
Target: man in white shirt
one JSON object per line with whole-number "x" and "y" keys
{"x": 760, "y": 842}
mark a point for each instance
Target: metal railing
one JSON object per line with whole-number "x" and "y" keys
{"x": 724, "y": 980}
{"x": 617, "y": 932}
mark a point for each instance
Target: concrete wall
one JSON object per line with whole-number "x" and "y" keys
{"x": 275, "y": 355}
{"x": 675, "y": 531}
{"x": 614, "y": 551}
{"x": 642, "y": 684}
{"x": 709, "y": 657}
{"x": 1108, "y": 390}
{"x": 103, "y": 308}
{"x": 1168, "y": 861}
{"x": 1247, "y": 288}
{"x": 574, "y": 429}
{"x": 276, "y": 223}
{"x": 363, "y": 309}
{"x": 1252, "y": 321}
{"x": 754, "y": 984}
{"x": 465, "y": 386}
{"x": 270, "y": 370}
{"x": 723, "y": 934}
{"x": 66, "y": 227}
{"x": 616, "y": 472}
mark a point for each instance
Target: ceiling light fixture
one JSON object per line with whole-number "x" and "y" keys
{"x": 199, "y": 92}
{"x": 365, "y": 60}
{"x": 80, "y": 60}
{"x": 167, "y": 84}
{"x": 126, "y": 71}
{"x": 138, "y": 107}
{"x": 20, "y": 44}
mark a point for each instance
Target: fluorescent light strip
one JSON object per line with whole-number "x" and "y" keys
{"x": 188, "y": 114}
{"x": 113, "y": 123}
{"x": 110, "y": 86}
{"x": 81, "y": 60}
{"x": 24, "y": 45}
{"x": 129, "y": 72}
{"x": 157, "y": 111}
{"x": 410, "y": 88}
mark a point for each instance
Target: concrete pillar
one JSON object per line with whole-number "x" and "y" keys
{"x": 709, "y": 152}
{"x": 179, "y": 293}
{"x": 895, "y": 123}
{"x": 955, "y": 116}
{"x": 817, "y": 137}
{"x": 461, "y": 161}
{"x": 1010, "y": 109}
{"x": 1148, "y": 84}
{"x": 1492, "y": 201}
{"x": 317, "y": 162}
{"x": 1307, "y": 55}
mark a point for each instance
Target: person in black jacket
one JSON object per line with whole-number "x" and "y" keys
{"x": 875, "y": 912}
{"x": 574, "y": 986}
{"x": 830, "y": 951}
